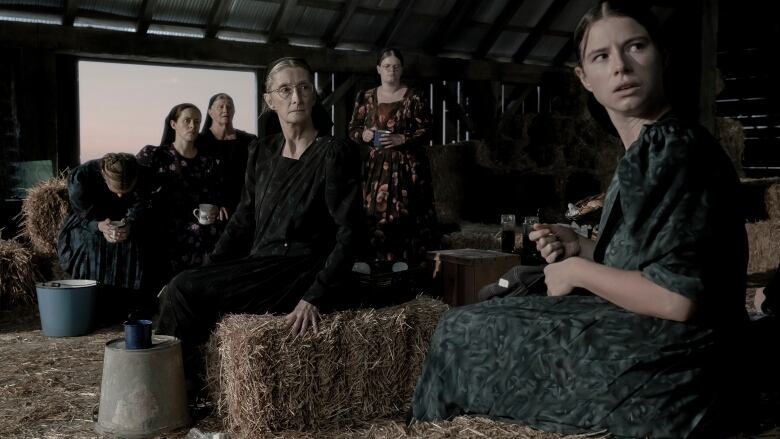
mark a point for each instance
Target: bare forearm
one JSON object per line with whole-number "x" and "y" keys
{"x": 586, "y": 247}
{"x": 632, "y": 291}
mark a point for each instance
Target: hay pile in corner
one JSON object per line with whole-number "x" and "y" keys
{"x": 361, "y": 365}
{"x": 42, "y": 214}
{"x": 17, "y": 275}
{"x": 763, "y": 239}
{"x": 772, "y": 201}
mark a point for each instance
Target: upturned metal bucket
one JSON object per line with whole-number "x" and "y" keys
{"x": 67, "y": 307}
{"x": 142, "y": 393}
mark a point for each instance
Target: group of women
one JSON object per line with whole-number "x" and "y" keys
{"x": 636, "y": 333}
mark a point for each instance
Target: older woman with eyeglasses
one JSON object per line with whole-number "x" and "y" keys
{"x": 289, "y": 247}
{"x": 393, "y": 121}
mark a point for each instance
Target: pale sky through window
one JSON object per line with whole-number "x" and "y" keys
{"x": 122, "y": 106}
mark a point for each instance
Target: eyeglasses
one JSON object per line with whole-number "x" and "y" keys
{"x": 305, "y": 89}
{"x": 391, "y": 68}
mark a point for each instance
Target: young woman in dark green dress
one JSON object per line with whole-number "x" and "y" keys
{"x": 633, "y": 335}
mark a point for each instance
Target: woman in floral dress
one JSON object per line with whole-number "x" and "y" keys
{"x": 394, "y": 122}
{"x": 186, "y": 178}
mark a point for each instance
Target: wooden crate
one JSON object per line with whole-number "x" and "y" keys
{"x": 459, "y": 274}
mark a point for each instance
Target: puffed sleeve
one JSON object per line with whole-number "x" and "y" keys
{"x": 81, "y": 185}
{"x": 358, "y": 122}
{"x": 342, "y": 196}
{"x": 672, "y": 184}
{"x": 236, "y": 241}
{"x": 419, "y": 119}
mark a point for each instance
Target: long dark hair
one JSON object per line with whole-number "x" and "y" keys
{"x": 169, "y": 134}
{"x": 637, "y": 10}
{"x": 208, "y": 120}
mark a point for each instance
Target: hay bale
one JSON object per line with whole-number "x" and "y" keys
{"x": 43, "y": 211}
{"x": 17, "y": 274}
{"x": 772, "y": 201}
{"x": 763, "y": 239}
{"x": 475, "y": 235}
{"x": 731, "y": 136}
{"x": 361, "y": 365}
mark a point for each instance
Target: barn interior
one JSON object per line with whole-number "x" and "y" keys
{"x": 511, "y": 135}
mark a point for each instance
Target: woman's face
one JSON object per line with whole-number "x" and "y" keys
{"x": 187, "y": 125}
{"x": 390, "y": 69}
{"x": 622, "y": 67}
{"x": 291, "y": 95}
{"x": 222, "y": 111}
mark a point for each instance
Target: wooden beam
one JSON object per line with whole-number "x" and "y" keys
{"x": 320, "y": 4}
{"x": 503, "y": 19}
{"x": 401, "y": 14}
{"x": 340, "y": 91}
{"x": 217, "y": 16}
{"x": 145, "y": 19}
{"x": 337, "y": 28}
{"x": 709, "y": 64}
{"x": 530, "y": 42}
{"x": 125, "y": 46}
{"x": 280, "y": 20}
{"x": 69, "y": 15}
{"x": 459, "y": 13}
{"x": 565, "y": 53}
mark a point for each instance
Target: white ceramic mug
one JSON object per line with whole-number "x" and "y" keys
{"x": 113, "y": 226}
{"x": 206, "y": 214}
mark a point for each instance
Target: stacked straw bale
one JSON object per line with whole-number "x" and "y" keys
{"x": 361, "y": 365}
{"x": 772, "y": 202}
{"x": 764, "y": 244}
{"x": 17, "y": 274}
{"x": 43, "y": 211}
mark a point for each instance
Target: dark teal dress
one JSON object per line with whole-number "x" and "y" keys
{"x": 579, "y": 363}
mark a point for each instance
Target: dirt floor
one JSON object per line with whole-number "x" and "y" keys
{"x": 50, "y": 388}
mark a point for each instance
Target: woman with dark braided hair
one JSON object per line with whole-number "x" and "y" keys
{"x": 105, "y": 235}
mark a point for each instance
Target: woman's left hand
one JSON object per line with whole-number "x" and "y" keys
{"x": 560, "y": 276}
{"x": 223, "y": 214}
{"x": 304, "y": 315}
{"x": 393, "y": 140}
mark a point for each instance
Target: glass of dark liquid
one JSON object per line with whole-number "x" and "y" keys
{"x": 507, "y": 233}
{"x": 529, "y": 247}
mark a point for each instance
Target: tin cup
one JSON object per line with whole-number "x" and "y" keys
{"x": 138, "y": 334}
{"x": 378, "y": 136}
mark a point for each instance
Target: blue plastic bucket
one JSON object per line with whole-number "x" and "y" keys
{"x": 67, "y": 307}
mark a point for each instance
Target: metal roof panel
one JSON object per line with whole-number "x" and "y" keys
{"x": 466, "y": 40}
{"x": 530, "y": 13}
{"x": 548, "y": 47}
{"x": 127, "y": 8}
{"x": 365, "y": 27}
{"x": 309, "y": 21}
{"x": 251, "y": 15}
{"x": 488, "y": 10}
{"x": 507, "y": 44}
{"x": 183, "y": 11}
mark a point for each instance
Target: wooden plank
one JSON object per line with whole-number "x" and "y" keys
{"x": 529, "y": 43}
{"x": 217, "y": 16}
{"x": 401, "y": 14}
{"x": 69, "y": 15}
{"x": 501, "y": 22}
{"x": 337, "y": 28}
{"x": 450, "y": 24}
{"x": 145, "y": 18}
{"x": 112, "y": 45}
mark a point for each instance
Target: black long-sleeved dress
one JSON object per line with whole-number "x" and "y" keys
{"x": 84, "y": 252}
{"x": 291, "y": 238}
{"x": 233, "y": 154}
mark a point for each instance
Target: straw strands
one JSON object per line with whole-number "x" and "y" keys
{"x": 17, "y": 275}
{"x": 361, "y": 365}
{"x": 763, "y": 239}
{"x": 43, "y": 212}
{"x": 772, "y": 201}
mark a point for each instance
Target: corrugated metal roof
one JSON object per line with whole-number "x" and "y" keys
{"x": 548, "y": 47}
{"x": 488, "y": 11}
{"x": 414, "y": 31}
{"x": 466, "y": 40}
{"x": 570, "y": 15}
{"x": 530, "y": 13}
{"x": 365, "y": 27}
{"x": 507, "y": 44}
{"x": 252, "y": 15}
{"x": 126, "y": 8}
{"x": 381, "y": 4}
{"x": 42, "y": 3}
{"x": 433, "y": 7}
{"x": 183, "y": 11}
{"x": 310, "y": 21}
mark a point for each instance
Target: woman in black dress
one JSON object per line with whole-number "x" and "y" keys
{"x": 89, "y": 245}
{"x": 633, "y": 336}
{"x": 186, "y": 177}
{"x": 289, "y": 246}
{"x": 220, "y": 139}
